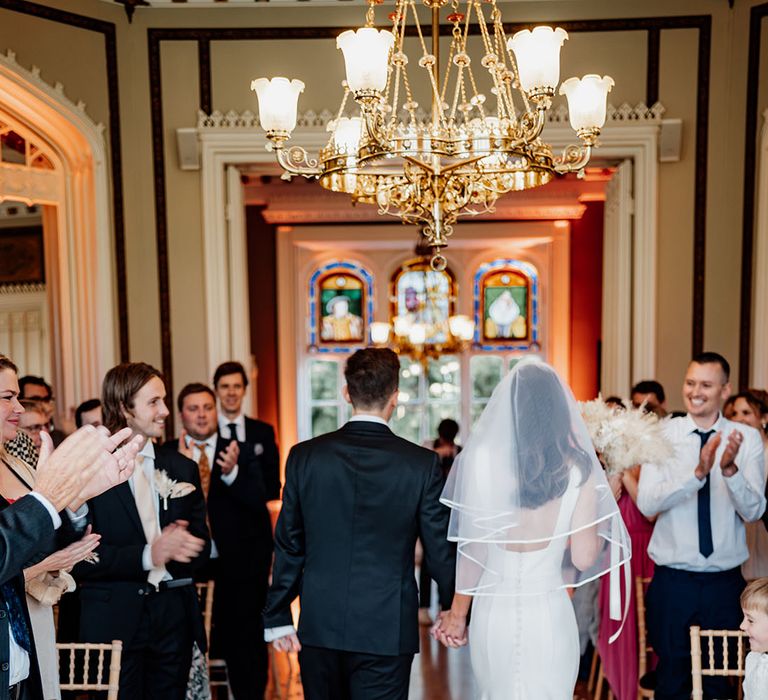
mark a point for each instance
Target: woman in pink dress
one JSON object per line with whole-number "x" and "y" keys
{"x": 620, "y": 659}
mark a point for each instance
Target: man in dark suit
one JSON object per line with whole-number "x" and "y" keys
{"x": 153, "y": 539}
{"x": 230, "y": 383}
{"x": 354, "y": 503}
{"x": 241, "y": 532}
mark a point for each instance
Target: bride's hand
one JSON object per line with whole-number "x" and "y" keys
{"x": 451, "y": 629}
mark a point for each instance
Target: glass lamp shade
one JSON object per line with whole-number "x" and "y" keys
{"x": 402, "y": 326}
{"x": 366, "y": 56}
{"x": 418, "y": 334}
{"x": 379, "y": 332}
{"x": 537, "y": 54}
{"x": 461, "y": 327}
{"x": 347, "y": 134}
{"x": 587, "y": 98}
{"x": 278, "y": 102}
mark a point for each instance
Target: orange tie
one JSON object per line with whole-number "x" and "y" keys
{"x": 205, "y": 468}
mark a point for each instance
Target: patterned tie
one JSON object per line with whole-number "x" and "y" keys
{"x": 16, "y": 617}
{"x": 705, "y": 521}
{"x": 145, "y": 504}
{"x": 232, "y": 431}
{"x": 205, "y": 468}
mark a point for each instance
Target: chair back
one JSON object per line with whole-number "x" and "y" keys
{"x": 643, "y": 648}
{"x": 706, "y": 663}
{"x": 88, "y": 672}
{"x": 205, "y": 593}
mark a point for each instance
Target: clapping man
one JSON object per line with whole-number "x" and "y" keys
{"x": 702, "y": 497}
{"x": 153, "y": 539}
{"x": 230, "y": 383}
{"x": 241, "y": 547}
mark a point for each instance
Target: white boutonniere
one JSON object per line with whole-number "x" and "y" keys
{"x": 170, "y": 488}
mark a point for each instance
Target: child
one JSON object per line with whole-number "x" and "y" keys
{"x": 754, "y": 603}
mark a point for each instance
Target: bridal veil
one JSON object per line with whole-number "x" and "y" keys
{"x": 527, "y": 461}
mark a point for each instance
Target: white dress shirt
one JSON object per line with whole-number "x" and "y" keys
{"x": 756, "y": 676}
{"x": 671, "y": 491}
{"x": 272, "y": 633}
{"x": 224, "y": 427}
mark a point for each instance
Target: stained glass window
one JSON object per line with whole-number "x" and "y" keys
{"x": 424, "y": 296}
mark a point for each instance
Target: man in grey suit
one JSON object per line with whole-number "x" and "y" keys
{"x": 354, "y": 503}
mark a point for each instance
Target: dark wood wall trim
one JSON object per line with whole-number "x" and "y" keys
{"x": 204, "y": 68}
{"x": 700, "y": 186}
{"x": 652, "y": 25}
{"x": 110, "y": 48}
{"x": 756, "y": 17}
{"x": 161, "y": 217}
{"x": 652, "y": 72}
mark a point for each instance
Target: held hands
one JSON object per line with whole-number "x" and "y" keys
{"x": 176, "y": 543}
{"x": 290, "y": 642}
{"x": 450, "y": 629}
{"x": 727, "y": 464}
{"x": 616, "y": 482}
{"x": 227, "y": 459}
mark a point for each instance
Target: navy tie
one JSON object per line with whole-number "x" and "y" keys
{"x": 16, "y": 617}
{"x": 232, "y": 431}
{"x": 705, "y": 521}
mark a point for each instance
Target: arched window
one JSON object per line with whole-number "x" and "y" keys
{"x": 420, "y": 295}
{"x": 506, "y": 304}
{"x": 340, "y": 307}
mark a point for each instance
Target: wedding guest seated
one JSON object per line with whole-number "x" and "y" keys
{"x": 615, "y": 402}
{"x": 754, "y": 604}
{"x": 702, "y": 497}
{"x": 88, "y": 413}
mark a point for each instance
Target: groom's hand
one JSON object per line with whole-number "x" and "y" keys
{"x": 451, "y": 629}
{"x": 290, "y": 642}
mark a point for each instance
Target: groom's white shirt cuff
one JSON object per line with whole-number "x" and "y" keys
{"x": 273, "y": 633}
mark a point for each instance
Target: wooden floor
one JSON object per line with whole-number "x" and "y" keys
{"x": 437, "y": 674}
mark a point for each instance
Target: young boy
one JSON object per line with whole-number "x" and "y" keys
{"x": 754, "y": 603}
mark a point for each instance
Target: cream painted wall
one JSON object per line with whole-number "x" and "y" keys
{"x": 75, "y": 58}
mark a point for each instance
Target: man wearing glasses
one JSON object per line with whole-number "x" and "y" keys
{"x": 37, "y": 389}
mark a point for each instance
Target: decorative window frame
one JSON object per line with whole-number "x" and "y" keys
{"x": 408, "y": 266}
{"x": 315, "y": 345}
{"x": 530, "y": 271}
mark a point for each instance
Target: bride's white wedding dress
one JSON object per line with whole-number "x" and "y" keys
{"x": 526, "y": 646}
{"x": 532, "y": 515}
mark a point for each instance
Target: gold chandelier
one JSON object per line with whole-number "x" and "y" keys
{"x": 471, "y": 149}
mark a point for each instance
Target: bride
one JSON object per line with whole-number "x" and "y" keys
{"x": 532, "y": 515}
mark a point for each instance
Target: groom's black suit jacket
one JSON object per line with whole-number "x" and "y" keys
{"x": 354, "y": 503}
{"x": 113, "y": 589}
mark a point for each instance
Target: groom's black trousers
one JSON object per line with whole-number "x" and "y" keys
{"x": 328, "y": 674}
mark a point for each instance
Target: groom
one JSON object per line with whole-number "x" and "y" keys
{"x": 354, "y": 503}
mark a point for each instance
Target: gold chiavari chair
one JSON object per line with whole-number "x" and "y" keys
{"x": 730, "y": 667}
{"x": 643, "y": 648}
{"x": 217, "y": 668}
{"x": 93, "y": 672}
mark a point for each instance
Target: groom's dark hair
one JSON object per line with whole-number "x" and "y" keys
{"x": 372, "y": 376}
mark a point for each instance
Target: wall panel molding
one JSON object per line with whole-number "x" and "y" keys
{"x": 107, "y": 29}
{"x": 746, "y": 342}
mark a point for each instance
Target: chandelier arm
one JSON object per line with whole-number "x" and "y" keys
{"x": 296, "y": 161}
{"x": 573, "y": 158}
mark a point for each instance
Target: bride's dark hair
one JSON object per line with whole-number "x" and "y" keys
{"x": 540, "y": 410}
